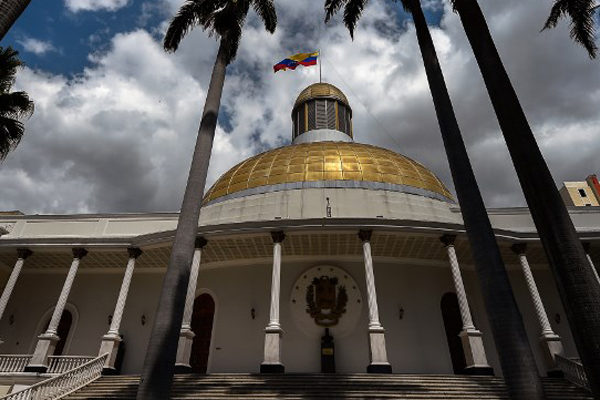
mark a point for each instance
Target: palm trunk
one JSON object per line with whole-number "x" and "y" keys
{"x": 578, "y": 288}
{"x": 10, "y": 10}
{"x": 516, "y": 357}
{"x": 159, "y": 365}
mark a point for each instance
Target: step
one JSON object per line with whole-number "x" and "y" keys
{"x": 327, "y": 386}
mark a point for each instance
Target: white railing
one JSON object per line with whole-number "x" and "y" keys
{"x": 14, "y": 362}
{"x": 573, "y": 371}
{"x": 60, "y": 364}
{"x": 59, "y": 386}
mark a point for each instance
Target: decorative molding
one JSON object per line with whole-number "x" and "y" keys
{"x": 365, "y": 235}
{"x": 24, "y": 253}
{"x": 278, "y": 236}
{"x": 134, "y": 252}
{"x": 200, "y": 242}
{"x": 448, "y": 239}
{"x": 519, "y": 248}
{"x": 79, "y": 252}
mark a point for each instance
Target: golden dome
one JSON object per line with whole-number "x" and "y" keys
{"x": 327, "y": 164}
{"x": 321, "y": 90}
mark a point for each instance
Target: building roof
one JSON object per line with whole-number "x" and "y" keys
{"x": 321, "y": 90}
{"x": 327, "y": 164}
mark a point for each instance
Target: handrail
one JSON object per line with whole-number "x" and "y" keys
{"x": 64, "y": 384}
{"x": 573, "y": 371}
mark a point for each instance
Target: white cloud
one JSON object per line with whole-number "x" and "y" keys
{"x": 36, "y": 46}
{"x": 119, "y": 136}
{"x": 94, "y": 5}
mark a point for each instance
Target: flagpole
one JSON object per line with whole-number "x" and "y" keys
{"x": 320, "y": 81}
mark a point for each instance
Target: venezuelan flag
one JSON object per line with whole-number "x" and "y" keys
{"x": 306, "y": 59}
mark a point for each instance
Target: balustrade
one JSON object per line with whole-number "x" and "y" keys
{"x": 573, "y": 371}
{"x": 14, "y": 362}
{"x": 63, "y": 384}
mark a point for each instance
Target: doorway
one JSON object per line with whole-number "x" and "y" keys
{"x": 64, "y": 327}
{"x": 453, "y": 326}
{"x": 202, "y": 323}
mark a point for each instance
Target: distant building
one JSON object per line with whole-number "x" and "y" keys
{"x": 583, "y": 193}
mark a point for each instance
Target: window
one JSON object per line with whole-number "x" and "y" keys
{"x": 582, "y": 193}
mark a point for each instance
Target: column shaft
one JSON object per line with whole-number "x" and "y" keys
{"x": 115, "y": 325}
{"x": 12, "y": 280}
{"x": 371, "y": 292}
{"x": 191, "y": 290}
{"x": 540, "y": 312}
{"x": 64, "y": 296}
{"x": 463, "y": 303}
{"x": 275, "y": 287}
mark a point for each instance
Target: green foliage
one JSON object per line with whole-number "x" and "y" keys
{"x": 221, "y": 18}
{"x": 13, "y": 105}
{"x": 582, "y": 14}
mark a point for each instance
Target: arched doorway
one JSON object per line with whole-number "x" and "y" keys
{"x": 453, "y": 326}
{"x": 202, "y": 323}
{"x": 64, "y": 327}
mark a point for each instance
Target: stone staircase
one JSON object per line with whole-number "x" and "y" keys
{"x": 324, "y": 386}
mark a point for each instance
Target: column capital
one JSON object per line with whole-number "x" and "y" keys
{"x": 519, "y": 248}
{"x": 79, "y": 252}
{"x": 24, "y": 253}
{"x": 200, "y": 242}
{"x": 586, "y": 246}
{"x": 278, "y": 236}
{"x": 448, "y": 239}
{"x": 365, "y": 235}
{"x": 134, "y": 252}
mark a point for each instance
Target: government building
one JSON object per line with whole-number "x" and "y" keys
{"x": 324, "y": 255}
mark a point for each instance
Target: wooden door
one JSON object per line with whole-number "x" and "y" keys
{"x": 202, "y": 322}
{"x": 453, "y": 325}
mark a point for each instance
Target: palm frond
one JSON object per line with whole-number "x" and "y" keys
{"x": 9, "y": 63}
{"x": 189, "y": 15}
{"x": 11, "y": 132}
{"x": 15, "y": 105}
{"x": 332, "y": 7}
{"x": 582, "y": 26}
{"x": 352, "y": 13}
{"x": 266, "y": 11}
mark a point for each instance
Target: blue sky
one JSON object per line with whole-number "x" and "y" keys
{"x": 74, "y": 35}
{"x": 116, "y": 117}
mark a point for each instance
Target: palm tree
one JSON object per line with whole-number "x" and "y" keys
{"x": 13, "y": 105}
{"x": 578, "y": 288}
{"x": 10, "y": 10}
{"x": 516, "y": 357}
{"x": 223, "y": 19}
{"x": 583, "y": 25}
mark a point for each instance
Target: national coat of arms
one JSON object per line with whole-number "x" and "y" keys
{"x": 326, "y": 302}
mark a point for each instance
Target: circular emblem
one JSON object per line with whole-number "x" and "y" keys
{"x": 325, "y": 297}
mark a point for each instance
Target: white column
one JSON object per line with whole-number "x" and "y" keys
{"x": 22, "y": 255}
{"x": 550, "y": 342}
{"x": 47, "y": 340}
{"x": 186, "y": 335}
{"x": 273, "y": 331}
{"x": 586, "y": 247}
{"x": 377, "y": 348}
{"x": 112, "y": 339}
{"x": 471, "y": 337}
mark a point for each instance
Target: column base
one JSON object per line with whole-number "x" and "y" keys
{"x": 184, "y": 351}
{"x": 476, "y": 360}
{"x": 551, "y": 345}
{"x": 44, "y": 348}
{"x": 555, "y": 373}
{"x": 379, "y": 369}
{"x": 110, "y": 344}
{"x": 488, "y": 371}
{"x": 272, "y": 368}
{"x": 377, "y": 352}
{"x": 272, "y": 361}
{"x": 183, "y": 369}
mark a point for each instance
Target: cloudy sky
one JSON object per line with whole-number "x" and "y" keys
{"x": 116, "y": 117}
